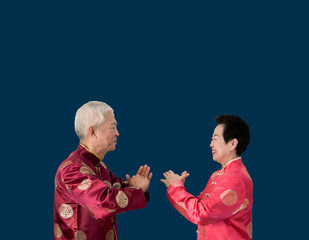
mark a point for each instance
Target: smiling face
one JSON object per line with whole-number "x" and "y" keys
{"x": 222, "y": 152}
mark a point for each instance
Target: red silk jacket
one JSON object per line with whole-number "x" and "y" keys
{"x": 88, "y": 196}
{"x": 224, "y": 209}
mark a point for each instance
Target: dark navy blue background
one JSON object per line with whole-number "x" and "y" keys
{"x": 168, "y": 69}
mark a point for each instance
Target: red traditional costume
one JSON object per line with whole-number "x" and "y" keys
{"x": 88, "y": 196}
{"x": 224, "y": 209}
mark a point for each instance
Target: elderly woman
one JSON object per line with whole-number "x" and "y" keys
{"x": 224, "y": 209}
{"x": 87, "y": 194}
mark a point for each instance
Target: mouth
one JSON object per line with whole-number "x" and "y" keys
{"x": 213, "y": 152}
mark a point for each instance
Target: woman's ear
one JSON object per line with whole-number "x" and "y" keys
{"x": 234, "y": 143}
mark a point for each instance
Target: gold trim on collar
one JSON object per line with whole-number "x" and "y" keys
{"x": 89, "y": 150}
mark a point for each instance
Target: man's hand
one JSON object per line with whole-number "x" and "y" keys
{"x": 171, "y": 177}
{"x": 141, "y": 179}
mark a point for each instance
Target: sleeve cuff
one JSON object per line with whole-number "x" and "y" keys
{"x": 176, "y": 184}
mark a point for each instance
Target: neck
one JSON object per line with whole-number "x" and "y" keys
{"x": 230, "y": 159}
{"x": 90, "y": 148}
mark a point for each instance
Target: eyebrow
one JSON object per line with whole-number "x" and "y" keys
{"x": 215, "y": 135}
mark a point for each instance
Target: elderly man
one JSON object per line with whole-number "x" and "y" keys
{"x": 224, "y": 209}
{"x": 87, "y": 194}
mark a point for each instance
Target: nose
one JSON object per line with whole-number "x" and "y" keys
{"x": 117, "y": 133}
{"x": 211, "y": 145}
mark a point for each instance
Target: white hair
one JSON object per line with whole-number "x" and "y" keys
{"x": 91, "y": 114}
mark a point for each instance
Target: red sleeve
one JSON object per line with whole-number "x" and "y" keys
{"x": 99, "y": 197}
{"x": 118, "y": 182}
{"x": 227, "y": 196}
{"x": 121, "y": 183}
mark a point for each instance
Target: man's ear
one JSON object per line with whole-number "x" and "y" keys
{"x": 91, "y": 132}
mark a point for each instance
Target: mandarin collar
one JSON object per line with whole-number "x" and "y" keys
{"x": 88, "y": 154}
{"x": 231, "y": 163}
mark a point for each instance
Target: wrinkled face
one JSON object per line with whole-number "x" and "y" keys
{"x": 220, "y": 149}
{"x": 107, "y": 133}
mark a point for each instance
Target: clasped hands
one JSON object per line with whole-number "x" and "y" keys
{"x": 141, "y": 179}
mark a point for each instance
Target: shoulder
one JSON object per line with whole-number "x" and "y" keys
{"x": 237, "y": 180}
{"x": 234, "y": 179}
{"x": 75, "y": 163}
{"x": 239, "y": 173}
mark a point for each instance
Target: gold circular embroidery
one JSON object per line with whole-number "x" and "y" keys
{"x": 249, "y": 229}
{"x": 229, "y": 197}
{"x": 65, "y": 164}
{"x": 110, "y": 235}
{"x": 108, "y": 183}
{"x": 85, "y": 184}
{"x": 57, "y": 230}
{"x": 66, "y": 211}
{"x": 117, "y": 185}
{"x": 122, "y": 199}
{"x": 80, "y": 235}
{"x": 86, "y": 170}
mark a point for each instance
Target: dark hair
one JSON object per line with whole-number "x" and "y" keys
{"x": 235, "y": 127}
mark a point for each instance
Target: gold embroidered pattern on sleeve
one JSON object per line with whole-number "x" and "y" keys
{"x": 65, "y": 164}
{"x": 122, "y": 199}
{"x": 86, "y": 170}
{"x": 243, "y": 206}
{"x": 117, "y": 185}
{"x": 110, "y": 235}
{"x": 80, "y": 235}
{"x": 249, "y": 230}
{"x": 108, "y": 183}
{"x": 84, "y": 184}
{"x": 66, "y": 211}
{"x": 229, "y": 197}
{"x": 57, "y": 230}
{"x": 182, "y": 204}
